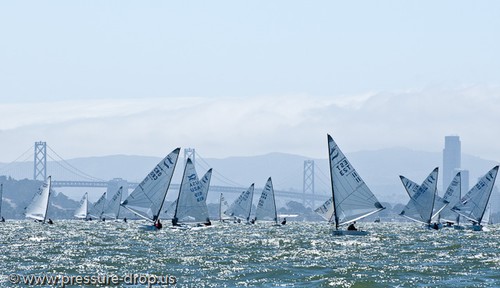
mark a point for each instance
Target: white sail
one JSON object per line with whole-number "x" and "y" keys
{"x": 82, "y": 211}
{"x": 170, "y": 211}
{"x": 97, "y": 210}
{"x": 223, "y": 206}
{"x": 191, "y": 202}
{"x": 147, "y": 198}
{"x": 452, "y": 195}
{"x": 205, "y": 182}
{"x": 242, "y": 206}
{"x": 411, "y": 210}
{"x": 352, "y": 199}
{"x": 422, "y": 198}
{"x": 473, "y": 205}
{"x": 112, "y": 207}
{"x": 266, "y": 208}
{"x": 37, "y": 210}
{"x": 326, "y": 210}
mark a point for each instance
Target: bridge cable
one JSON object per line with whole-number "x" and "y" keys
{"x": 80, "y": 172}
{"x": 16, "y": 161}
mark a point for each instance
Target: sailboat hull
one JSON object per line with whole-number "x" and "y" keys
{"x": 147, "y": 228}
{"x": 350, "y": 233}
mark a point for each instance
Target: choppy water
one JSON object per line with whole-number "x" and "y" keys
{"x": 230, "y": 255}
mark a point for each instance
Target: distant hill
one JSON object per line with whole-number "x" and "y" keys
{"x": 379, "y": 168}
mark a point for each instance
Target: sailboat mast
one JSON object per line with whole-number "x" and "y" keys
{"x": 220, "y": 208}
{"x": 48, "y": 197}
{"x": 250, "y": 210}
{"x": 275, "y": 210}
{"x": 330, "y": 151}
{"x": 1, "y": 192}
{"x": 180, "y": 188}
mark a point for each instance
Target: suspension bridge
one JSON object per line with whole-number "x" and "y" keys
{"x": 43, "y": 152}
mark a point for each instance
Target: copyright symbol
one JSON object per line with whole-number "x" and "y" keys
{"x": 14, "y": 278}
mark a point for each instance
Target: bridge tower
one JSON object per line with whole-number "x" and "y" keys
{"x": 308, "y": 185}
{"x": 40, "y": 162}
{"x": 189, "y": 153}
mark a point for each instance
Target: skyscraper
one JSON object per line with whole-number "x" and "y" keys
{"x": 451, "y": 159}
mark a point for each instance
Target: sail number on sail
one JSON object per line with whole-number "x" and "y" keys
{"x": 195, "y": 187}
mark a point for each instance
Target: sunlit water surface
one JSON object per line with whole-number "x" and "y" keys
{"x": 232, "y": 255}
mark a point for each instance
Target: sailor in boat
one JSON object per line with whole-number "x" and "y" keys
{"x": 175, "y": 221}
{"x": 252, "y": 221}
{"x": 3, "y": 219}
{"x": 435, "y": 226}
{"x": 50, "y": 221}
{"x": 283, "y": 222}
{"x": 208, "y": 223}
{"x": 158, "y": 224}
{"x": 125, "y": 219}
{"x": 103, "y": 219}
{"x": 351, "y": 227}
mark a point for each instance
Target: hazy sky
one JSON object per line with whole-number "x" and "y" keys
{"x": 233, "y": 78}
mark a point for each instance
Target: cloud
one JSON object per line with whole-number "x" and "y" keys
{"x": 225, "y": 126}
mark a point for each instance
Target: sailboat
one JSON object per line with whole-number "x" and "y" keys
{"x": 326, "y": 210}
{"x": 83, "y": 210}
{"x": 112, "y": 207}
{"x": 266, "y": 208}
{"x": 242, "y": 206}
{"x": 452, "y": 195}
{"x": 352, "y": 199}
{"x": 148, "y": 197}
{"x": 97, "y": 210}
{"x": 424, "y": 204}
{"x": 223, "y": 206}
{"x": 473, "y": 205}
{"x": 1, "y": 195}
{"x": 37, "y": 210}
{"x": 192, "y": 202}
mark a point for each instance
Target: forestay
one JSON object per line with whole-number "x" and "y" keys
{"x": 352, "y": 199}
{"x": 82, "y": 211}
{"x": 473, "y": 205}
{"x": 112, "y": 209}
{"x": 266, "y": 208}
{"x": 147, "y": 198}
{"x": 191, "y": 203}
{"x": 242, "y": 206}
{"x": 37, "y": 209}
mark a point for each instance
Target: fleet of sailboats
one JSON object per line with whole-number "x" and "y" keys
{"x": 351, "y": 199}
